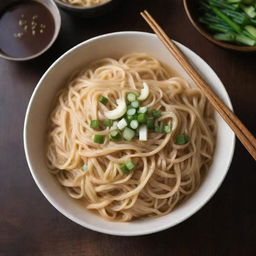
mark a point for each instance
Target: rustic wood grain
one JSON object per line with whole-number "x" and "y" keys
{"x": 30, "y": 226}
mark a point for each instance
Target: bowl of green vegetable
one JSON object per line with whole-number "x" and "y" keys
{"x": 227, "y": 23}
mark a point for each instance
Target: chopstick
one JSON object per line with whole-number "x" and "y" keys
{"x": 242, "y": 133}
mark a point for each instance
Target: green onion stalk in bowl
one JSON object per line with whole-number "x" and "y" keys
{"x": 231, "y": 21}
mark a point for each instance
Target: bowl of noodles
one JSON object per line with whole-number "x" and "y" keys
{"x": 87, "y": 8}
{"x": 121, "y": 141}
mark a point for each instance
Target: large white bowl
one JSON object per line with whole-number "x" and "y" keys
{"x": 116, "y": 45}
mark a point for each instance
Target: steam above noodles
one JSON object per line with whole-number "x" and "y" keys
{"x": 140, "y": 173}
{"x": 85, "y": 3}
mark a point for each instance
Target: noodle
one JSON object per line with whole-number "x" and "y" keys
{"x": 85, "y": 3}
{"x": 165, "y": 172}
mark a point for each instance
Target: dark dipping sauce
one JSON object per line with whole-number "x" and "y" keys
{"x": 26, "y": 28}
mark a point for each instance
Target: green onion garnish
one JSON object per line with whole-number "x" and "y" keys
{"x": 135, "y": 104}
{"x": 181, "y": 139}
{"x": 131, "y": 96}
{"x": 143, "y": 109}
{"x": 131, "y": 111}
{"x": 124, "y": 169}
{"x": 103, "y": 100}
{"x": 108, "y": 122}
{"x": 159, "y": 129}
{"x": 149, "y": 112}
{"x": 156, "y": 113}
{"x": 128, "y": 134}
{"x": 115, "y": 135}
{"x": 141, "y": 118}
{"x": 134, "y": 124}
{"x": 95, "y": 124}
{"x": 130, "y": 165}
{"x": 167, "y": 128}
{"x": 127, "y": 167}
{"x": 150, "y": 123}
{"x": 129, "y": 118}
{"x": 98, "y": 139}
{"x": 85, "y": 167}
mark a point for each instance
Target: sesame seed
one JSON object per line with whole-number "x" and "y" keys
{"x": 19, "y": 35}
{"x": 33, "y": 32}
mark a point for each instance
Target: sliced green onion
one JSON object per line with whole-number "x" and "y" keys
{"x": 143, "y": 110}
{"x": 134, "y": 124}
{"x": 118, "y": 112}
{"x": 167, "y": 128}
{"x": 234, "y": 1}
{"x": 226, "y": 19}
{"x": 85, "y": 167}
{"x": 127, "y": 167}
{"x": 130, "y": 165}
{"x": 95, "y": 124}
{"x": 108, "y": 123}
{"x": 128, "y": 134}
{"x": 143, "y": 133}
{"x": 249, "y": 10}
{"x": 114, "y": 126}
{"x": 141, "y": 118}
{"x": 131, "y": 96}
{"x": 228, "y": 37}
{"x": 124, "y": 169}
{"x": 122, "y": 124}
{"x": 131, "y": 111}
{"x": 103, "y": 100}
{"x": 159, "y": 129}
{"x": 156, "y": 113}
{"x": 115, "y": 135}
{"x": 98, "y": 139}
{"x": 245, "y": 40}
{"x": 251, "y": 30}
{"x": 135, "y": 104}
{"x": 144, "y": 92}
{"x": 181, "y": 139}
{"x": 150, "y": 123}
{"x": 129, "y": 118}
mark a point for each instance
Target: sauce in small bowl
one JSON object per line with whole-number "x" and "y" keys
{"x": 28, "y": 28}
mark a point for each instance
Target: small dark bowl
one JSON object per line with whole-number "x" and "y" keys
{"x": 88, "y": 12}
{"x": 192, "y": 12}
{"x": 53, "y": 9}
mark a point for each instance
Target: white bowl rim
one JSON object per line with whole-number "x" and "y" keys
{"x": 63, "y": 210}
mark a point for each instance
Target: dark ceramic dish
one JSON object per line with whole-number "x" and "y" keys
{"x": 54, "y": 12}
{"x": 88, "y": 12}
{"x": 191, "y": 9}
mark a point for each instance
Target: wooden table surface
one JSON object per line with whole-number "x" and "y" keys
{"x": 29, "y": 225}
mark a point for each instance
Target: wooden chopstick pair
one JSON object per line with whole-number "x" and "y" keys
{"x": 243, "y": 134}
